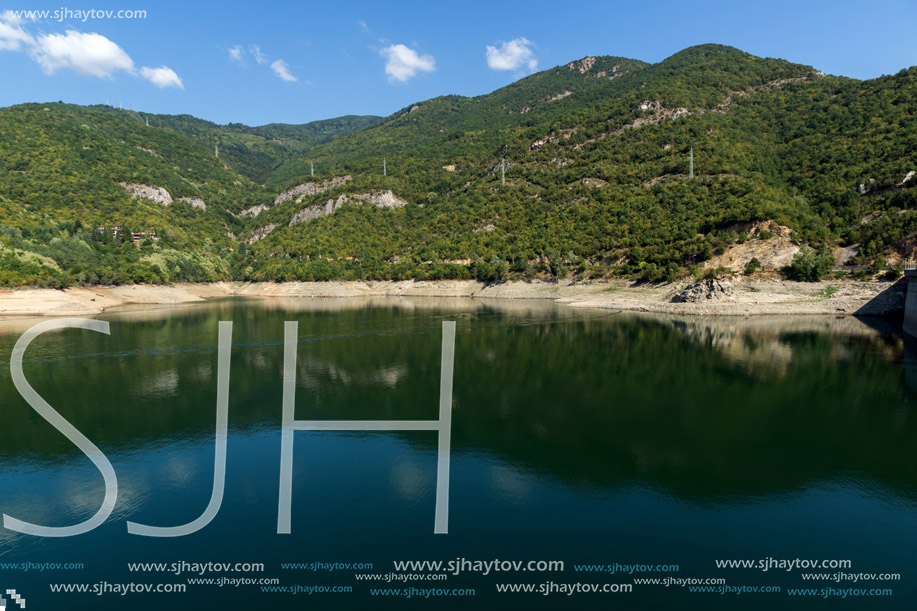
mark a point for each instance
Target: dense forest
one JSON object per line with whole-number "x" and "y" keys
{"x": 605, "y": 166}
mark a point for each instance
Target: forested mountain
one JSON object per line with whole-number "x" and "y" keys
{"x": 258, "y": 151}
{"x": 584, "y": 168}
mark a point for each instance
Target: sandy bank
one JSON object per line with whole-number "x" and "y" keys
{"x": 749, "y": 298}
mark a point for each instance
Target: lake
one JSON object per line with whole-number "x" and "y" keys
{"x": 589, "y": 437}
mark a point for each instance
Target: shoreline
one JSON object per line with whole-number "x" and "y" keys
{"x": 748, "y": 298}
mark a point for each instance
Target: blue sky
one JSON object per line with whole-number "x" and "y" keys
{"x": 295, "y": 62}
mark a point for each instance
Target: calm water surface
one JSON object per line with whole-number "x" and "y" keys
{"x": 583, "y": 436}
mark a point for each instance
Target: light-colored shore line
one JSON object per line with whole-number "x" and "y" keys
{"x": 750, "y": 298}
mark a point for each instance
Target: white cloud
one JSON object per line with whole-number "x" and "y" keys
{"x": 402, "y": 63}
{"x": 279, "y": 67}
{"x": 512, "y": 55}
{"x": 162, "y": 77}
{"x": 260, "y": 57}
{"x": 363, "y": 25}
{"x": 12, "y": 36}
{"x": 282, "y": 70}
{"x": 89, "y": 54}
{"x": 11, "y": 18}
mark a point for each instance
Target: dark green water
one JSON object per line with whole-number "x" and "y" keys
{"x": 584, "y": 436}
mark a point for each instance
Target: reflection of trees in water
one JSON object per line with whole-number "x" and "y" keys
{"x": 763, "y": 345}
{"x": 637, "y": 401}
{"x": 701, "y": 407}
{"x": 910, "y": 362}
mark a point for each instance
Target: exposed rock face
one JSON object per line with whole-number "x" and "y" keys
{"x": 756, "y": 228}
{"x": 705, "y": 290}
{"x": 906, "y": 248}
{"x": 410, "y": 110}
{"x": 146, "y": 150}
{"x": 155, "y": 194}
{"x": 299, "y": 192}
{"x": 449, "y": 167}
{"x": 665, "y": 179}
{"x": 583, "y": 65}
{"x": 565, "y": 134}
{"x": 725, "y": 105}
{"x": 559, "y": 96}
{"x": 907, "y": 178}
{"x": 774, "y": 252}
{"x": 656, "y": 113}
{"x": 614, "y": 73}
{"x": 313, "y": 212}
{"x": 254, "y": 210}
{"x": 196, "y": 202}
{"x": 261, "y": 233}
{"x": 385, "y": 199}
{"x": 866, "y": 187}
{"x": 844, "y": 254}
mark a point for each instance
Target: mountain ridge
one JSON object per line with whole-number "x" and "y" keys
{"x": 594, "y": 154}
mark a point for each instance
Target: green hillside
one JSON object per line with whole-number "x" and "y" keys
{"x": 596, "y": 155}
{"x": 258, "y": 151}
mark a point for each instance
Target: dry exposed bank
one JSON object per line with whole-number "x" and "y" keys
{"x": 743, "y": 298}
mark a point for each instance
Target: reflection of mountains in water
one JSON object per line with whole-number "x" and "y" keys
{"x": 705, "y": 408}
{"x": 764, "y": 345}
